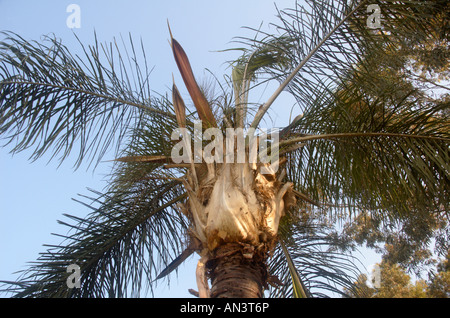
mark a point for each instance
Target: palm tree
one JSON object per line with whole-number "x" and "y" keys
{"x": 365, "y": 143}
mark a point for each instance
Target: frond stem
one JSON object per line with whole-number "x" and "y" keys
{"x": 263, "y": 109}
{"x": 352, "y": 135}
{"x": 150, "y": 109}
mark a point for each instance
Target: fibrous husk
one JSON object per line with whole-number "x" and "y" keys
{"x": 238, "y": 205}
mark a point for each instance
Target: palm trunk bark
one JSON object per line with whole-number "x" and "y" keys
{"x": 236, "y": 273}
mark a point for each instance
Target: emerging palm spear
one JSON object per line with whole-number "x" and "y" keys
{"x": 369, "y": 142}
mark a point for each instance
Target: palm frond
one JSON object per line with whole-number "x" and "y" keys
{"x": 313, "y": 253}
{"x": 120, "y": 247}
{"x": 245, "y": 70}
{"x": 54, "y": 101}
{"x": 133, "y": 232}
{"x": 331, "y": 39}
{"x": 317, "y": 45}
{"x": 382, "y": 156}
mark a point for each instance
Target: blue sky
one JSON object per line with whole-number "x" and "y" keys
{"x": 34, "y": 195}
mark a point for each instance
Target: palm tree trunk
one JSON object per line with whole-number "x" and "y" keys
{"x": 237, "y": 273}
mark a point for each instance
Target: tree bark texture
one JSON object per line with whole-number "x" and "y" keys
{"x": 237, "y": 272}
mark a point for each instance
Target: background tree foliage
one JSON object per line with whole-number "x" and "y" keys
{"x": 396, "y": 283}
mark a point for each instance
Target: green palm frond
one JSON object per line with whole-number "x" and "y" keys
{"x": 133, "y": 231}
{"x": 51, "y": 100}
{"x": 120, "y": 247}
{"x": 245, "y": 70}
{"x": 330, "y": 46}
{"x": 383, "y": 154}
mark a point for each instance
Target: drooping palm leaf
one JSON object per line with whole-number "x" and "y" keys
{"x": 314, "y": 48}
{"x": 120, "y": 247}
{"x": 245, "y": 70}
{"x": 134, "y": 229}
{"x": 52, "y": 100}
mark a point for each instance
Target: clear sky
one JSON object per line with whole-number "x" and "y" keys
{"x": 34, "y": 195}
